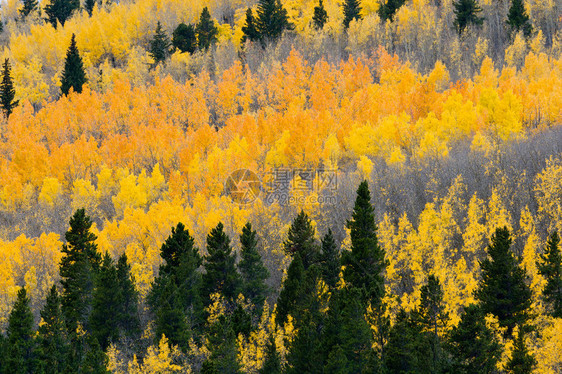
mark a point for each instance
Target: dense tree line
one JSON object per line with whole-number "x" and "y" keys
{"x": 335, "y": 301}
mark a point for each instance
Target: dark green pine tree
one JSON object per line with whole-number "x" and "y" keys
{"x": 52, "y": 342}
{"x": 252, "y": 270}
{"x": 272, "y": 362}
{"x": 330, "y": 260}
{"x": 466, "y": 13}
{"x": 249, "y": 29}
{"x": 365, "y": 263}
{"x": 7, "y": 91}
{"x": 320, "y": 16}
{"x": 550, "y": 267}
{"x": 78, "y": 268}
{"x": 95, "y": 360}
{"x": 222, "y": 345}
{"x": 170, "y": 318}
{"x": 28, "y": 7}
{"x": 518, "y": 18}
{"x": 502, "y": 290}
{"x": 406, "y": 350}
{"x": 159, "y": 45}
{"x": 521, "y": 361}
{"x": 129, "y": 323}
{"x": 388, "y": 9}
{"x": 89, "y": 6}
{"x": 433, "y": 319}
{"x": 206, "y": 30}
{"x": 220, "y": 267}
{"x": 106, "y": 304}
{"x": 73, "y": 75}
{"x": 19, "y": 350}
{"x": 300, "y": 239}
{"x": 288, "y": 297}
{"x": 271, "y": 20}
{"x": 351, "y": 11}
{"x": 472, "y": 345}
{"x": 184, "y": 38}
{"x": 60, "y": 11}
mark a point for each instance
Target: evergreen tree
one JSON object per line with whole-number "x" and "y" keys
{"x": 52, "y": 343}
{"x": 73, "y": 75}
{"x": 95, "y": 360}
{"x": 60, "y": 11}
{"x": 365, "y": 263}
{"x": 220, "y": 269}
{"x": 170, "y": 317}
{"x": 521, "y": 361}
{"x": 184, "y": 38}
{"x": 291, "y": 290}
{"x": 466, "y": 13}
{"x": 351, "y": 11}
{"x": 159, "y": 45}
{"x": 330, "y": 260}
{"x": 222, "y": 345}
{"x": 129, "y": 323}
{"x": 7, "y": 91}
{"x": 28, "y": 7}
{"x": 272, "y": 362}
{"x": 502, "y": 290}
{"x": 77, "y": 270}
{"x": 19, "y": 351}
{"x": 89, "y": 6}
{"x": 518, "y": 18}
{"x": 271, "y": 20}
{"x": 252, "y": 270}
{"x": 320, "y": 16}
{"x": 388, "y": 9}
{"x": 106, "y": 305}
{"x": 206, "y": 30}
{"x": 472, "y": 345}
{"x": 249, "y": 29}
{"x": 550, "y": 267}
{"x": 300, "y": 239}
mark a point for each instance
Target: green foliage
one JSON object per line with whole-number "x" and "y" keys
{"x": 19, "y": 351}
{"x": 365, "y": 263}
{"x": 330, "y": 260}
{"x": 128, "y": 323}
{"x": 550, "y": 267}
{"x": 52, "y": 341}
{"x": 271, "y": 20}
{"x": 472, "y": 345}
{"x": 89, "y": 6}
{"x": 291, "y": 289}
{"x": 95, "y": 361}
{"x": 159, "y": 45}
{"x": 466, "y": 13}
{"x": 351, "y": 11}
{"x": 521, "y": 361}
{"x": 320, "y": 16}
{"x": 28, "y": 7}
{"x": 60, "y": 11}
{"x": 73, "y": 75}
{"x": 7, "y": 91}
{"x": 252, "y": 270}
{"x": 184, "y": 38}
{"x": 249, "y": 29}
{"x": 77, "y": 270}
{"x": 206, "y": 30}
{"x": 502, "y": 290}
{"x": 272, "y": 362}
{"x": 222, "y": 345}
{"x": 518, "y": 18}
{"x": 300, "y": 239}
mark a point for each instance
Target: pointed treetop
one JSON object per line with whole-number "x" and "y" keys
{"x": 73, "y": 75}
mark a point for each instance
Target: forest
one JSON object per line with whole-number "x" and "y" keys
{"x": 280, "y": 186}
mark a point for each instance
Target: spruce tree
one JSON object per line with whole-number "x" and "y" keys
{"x": 184, "y": 38}
{"x": 466, "y": 13}
{"x": 170, "y": 317}
{"x": 73, "y": 75}
{"x": 472, "y": 345}
{"x": 129, "y": 323}
{"x": 402, "y": 350}
{"x": 249, "y": 29}
{"x": 351, "y": 11}
{"x": 502, "y": 290}
{"x": 291, "y": 290}
{"x": 60, "y": 11}
{"x": 159, "y": 45}
{"x": 388, "y": 9}
{"x": 330, "y": 260}
{"x": 521, "y": 361}
{"x": 19, "y": 351}
{"x": 365, "y": 263}
{"x": 252, "y": 270}
{"x": 550, "y": 267}
{"x": 89, "y": 6}
{"x": 320, "y": 16}
{"x": 206, "y": 30}
{"x": 52, "y": 342}
{"x": 106, "y": 304}
{"x": 222, "y": 345}
{"x": 95, "y": 360}
{"x": 300, "y": 239}
{"x": 518, "y": 18}
{"x": 7, "y": 91}
{"x": 28, "y": 7}
{"x": 78, "y": 266}
{"x": 272, "y": 361}
{"x": 271, "y": 20}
